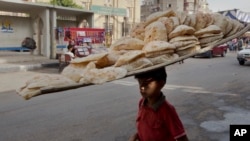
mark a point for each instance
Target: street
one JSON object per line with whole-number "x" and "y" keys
{"x": 208, "y": 94}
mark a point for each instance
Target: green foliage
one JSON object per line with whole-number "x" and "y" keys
{"x": 65, "y": 3}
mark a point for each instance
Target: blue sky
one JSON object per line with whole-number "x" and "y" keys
{"x": 220, "y": 5}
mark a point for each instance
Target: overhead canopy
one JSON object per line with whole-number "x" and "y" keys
{"x": 30, "y": 7}
{"x": 237, "y": 15}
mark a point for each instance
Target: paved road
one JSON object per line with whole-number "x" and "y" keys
{"x": 209, "y": 95}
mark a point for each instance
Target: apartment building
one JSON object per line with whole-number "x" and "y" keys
{"x": 190, "y": 6}
{"x": 116, "y": 16}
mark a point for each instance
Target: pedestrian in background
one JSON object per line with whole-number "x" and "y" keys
{"x": 70, "y": 51}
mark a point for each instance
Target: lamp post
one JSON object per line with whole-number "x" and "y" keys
{"x": 108, "y": 36}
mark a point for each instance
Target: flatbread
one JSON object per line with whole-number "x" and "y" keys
{"x": 187, "y": 20}
{"x": 138, "y": 31}
{"x": 156, "y": 15}
{"x": 137, "y": 64}
{"x": 187, "y": 46}
{"x": 100, "y": 60}
{"x": 181, "y": 30}
{"x": 211, "y": 39}
{"x": 209, "y": 19}
{"x": 189, "y": 50}
{"x": 89, "y": 58}
{"x": 32, "y": 87}
{"x": 73, "y": 72}
{"x": 182, "y": 16}
{"x": 209, "y": 35}
{"x": 220, "y": 21}
{"x": 170, "y": 23}
{"x": 192, "y": 22}
{"x": 210, "y": 43}
{"x": 183, "y": 38}
{"x": 229, "y": 26}
{"x": 99, "y": 76}
{"x": 157, "y": 46}
{"x": 184, "y": 43}
{"x": 163, "y": 58}
{"x": 201, "y": 21}
{"x": 236, "y": 27}
{"x": 129, "y": 57}
{"x": 127, "y": 43}
{"x": 213, "y": 29}
{"x": 156, "y": 31}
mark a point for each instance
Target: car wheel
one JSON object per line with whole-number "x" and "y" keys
{"x": 223, "y": 54}
{"x": 210, "y": 55}
{"x": 241, "y": 62}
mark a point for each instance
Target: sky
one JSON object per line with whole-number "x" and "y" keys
{"x": 221, "y": 5}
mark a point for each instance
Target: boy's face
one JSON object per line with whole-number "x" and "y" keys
{"x": 150, "y": 87}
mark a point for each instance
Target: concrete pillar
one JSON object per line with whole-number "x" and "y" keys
{"x": 35, "y": 24}
{"x": 53, "y": 26}
{"x": 45, "y": 51}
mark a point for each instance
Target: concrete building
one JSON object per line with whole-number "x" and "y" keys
{"x": 39, "y": 19}
{"x": 190, "y": 6}
{"x": 115, "y": 16}
{"x": 193, "y": 6}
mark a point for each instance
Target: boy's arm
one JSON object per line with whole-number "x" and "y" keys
{"x": 134, "y": 137}
{"x": 183, "y": 138}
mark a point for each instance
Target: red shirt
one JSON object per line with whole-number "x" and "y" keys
{"x": 158, "y": 123}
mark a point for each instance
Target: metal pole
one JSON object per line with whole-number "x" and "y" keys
{"x": 134, "y": 14}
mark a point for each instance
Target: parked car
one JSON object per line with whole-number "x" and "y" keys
{"x": 244, "y": 55}
{"x": 218, "y": 50}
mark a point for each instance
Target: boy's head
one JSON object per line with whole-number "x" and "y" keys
{"x": 151, "y": 82}
{"x": 157, "y": 74}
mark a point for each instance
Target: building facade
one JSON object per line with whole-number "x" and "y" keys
{"x": 190, "y": 6}
{"x": 41, "y": 20}
{"x": 116, "y": 16}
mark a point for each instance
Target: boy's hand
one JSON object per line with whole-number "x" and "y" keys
{"x": 133, "y": 138}
{"x": 183, "y": 138}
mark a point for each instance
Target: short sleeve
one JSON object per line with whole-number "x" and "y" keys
{"x": 173, "y": 122}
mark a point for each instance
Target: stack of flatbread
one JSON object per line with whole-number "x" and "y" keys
{"x": 127, "y": 53}
{"x": 84, "y": 69}
{"x": 209, "y": 35}
{"x": 163, "y": 37}
{"x": 32, "y": 87}
{"x": 159, "y": 52}
{"x": 182, "y": 37}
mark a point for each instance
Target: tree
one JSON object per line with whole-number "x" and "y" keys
{"x": 65, "y": 3}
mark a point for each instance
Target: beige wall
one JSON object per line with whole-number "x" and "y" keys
{"x": 21, "y": 29}
{"x": 117, "y": 21}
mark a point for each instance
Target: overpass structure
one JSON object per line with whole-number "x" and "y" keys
{"x": 237, "y": 14}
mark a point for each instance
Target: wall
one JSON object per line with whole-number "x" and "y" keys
{"x": 21, "y": 29}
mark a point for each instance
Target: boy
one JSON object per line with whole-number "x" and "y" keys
{"x": 157, "y": 120}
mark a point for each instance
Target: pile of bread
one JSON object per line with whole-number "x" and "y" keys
{"x": 163, "y": 37}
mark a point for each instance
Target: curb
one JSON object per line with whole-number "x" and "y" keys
{"x": 28, "y": 67}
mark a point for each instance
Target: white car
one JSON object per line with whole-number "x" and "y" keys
{"x": 244, "y": 55}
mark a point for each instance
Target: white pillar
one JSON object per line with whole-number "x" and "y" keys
{"x": 35, "y": 35}
{"x": 46, "y": 34}
{"x": 53, "y": 34}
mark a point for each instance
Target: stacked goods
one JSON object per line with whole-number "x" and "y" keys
{"x": 164, "y": 37}
{"x": 208, "y": 35}
{"x": 32, "y": 87}
{"x": 182, "y": 37}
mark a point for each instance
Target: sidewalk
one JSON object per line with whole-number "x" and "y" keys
{"x": 18, "y": 67}
{"x": 23, "y": 61}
